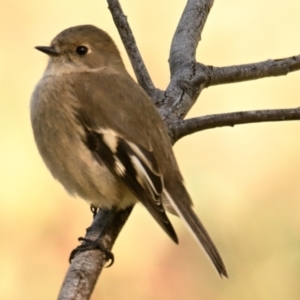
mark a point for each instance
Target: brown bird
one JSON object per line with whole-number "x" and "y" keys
{"x": 101, "y": 136}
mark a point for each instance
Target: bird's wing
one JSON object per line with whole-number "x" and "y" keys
{"x": 119, "y": 124}
{"x": 135, "y": 166}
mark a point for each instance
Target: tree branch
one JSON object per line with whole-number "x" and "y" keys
{"x": 188, "y": 35}
{"x": 86, "y": 266}
{"x": 132, "y": 50}
{"x": 184, "y": 87}
{"x": 232, "y": 74}
{"x": 189, "y": 126}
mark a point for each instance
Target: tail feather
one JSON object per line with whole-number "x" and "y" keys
{"x": 199, "y": 232}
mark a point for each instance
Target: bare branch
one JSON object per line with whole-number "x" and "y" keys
{"x": 271, "y": 67}
{"x": 188, "y": 35}
{"x": 133, "y": 52}
{"x": 189, "y": 126}
{"x": 86, "y": 266}
{"x": 184, "y": 88}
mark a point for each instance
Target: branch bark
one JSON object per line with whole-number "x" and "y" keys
{"x": 132, "y": 50}
{"x": 271, "y": 67}
{"x": 189, "y": 126}
{"x": 184, "y": 87}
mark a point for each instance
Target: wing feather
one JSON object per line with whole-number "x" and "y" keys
{"x": 136, "y": 167}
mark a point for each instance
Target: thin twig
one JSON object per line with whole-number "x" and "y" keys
{"x": 189, "y": 126}
{"x": 129, "y": 42}
{"x": 268, "y": 68}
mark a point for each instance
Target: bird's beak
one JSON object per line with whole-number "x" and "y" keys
{"x": 48, "y": 50}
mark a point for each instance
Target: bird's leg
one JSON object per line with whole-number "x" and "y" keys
{"x": 94, "y": 210}
{"x": 106, "y": 218}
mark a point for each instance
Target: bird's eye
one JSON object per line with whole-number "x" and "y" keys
{"x": 82, "y": 50}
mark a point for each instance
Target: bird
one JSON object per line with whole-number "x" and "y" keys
{"x": 102, "y": 138}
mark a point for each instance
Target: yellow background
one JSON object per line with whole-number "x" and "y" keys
{"x": 245, "y": 181}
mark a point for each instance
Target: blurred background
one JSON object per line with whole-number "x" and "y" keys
{"x": 245, "y": 180}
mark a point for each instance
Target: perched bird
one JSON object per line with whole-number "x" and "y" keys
{"x": 101, "y": 136}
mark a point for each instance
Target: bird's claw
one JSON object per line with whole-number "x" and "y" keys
{"x": 92, "y": 245}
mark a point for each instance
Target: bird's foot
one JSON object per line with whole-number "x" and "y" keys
{"x": 92, "y": 245}
{"x": 94, "y": 210}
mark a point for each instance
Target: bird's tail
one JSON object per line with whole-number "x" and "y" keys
{"x": 186, "y": 212}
